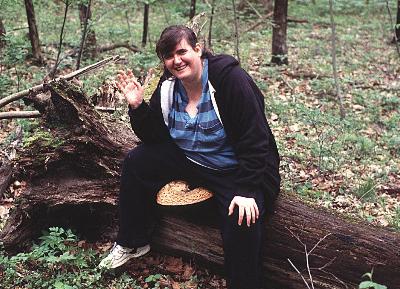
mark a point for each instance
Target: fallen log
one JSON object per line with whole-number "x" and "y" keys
{"x": 5, "y": 176}
{"x": 73, "y": 182}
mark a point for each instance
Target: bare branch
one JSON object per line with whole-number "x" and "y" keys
{"x": 53, "y": 71}
{"x": 320, "y": 240}
{"x": 19, "y": 114}
{"x": 334, "y": 68}
{"x": 39, "y": 88}
{"x": 236, "y": 30}
{"x": 84, "y": 32}
{"x": 297, "y": 270}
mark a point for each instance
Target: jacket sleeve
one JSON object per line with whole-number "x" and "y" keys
{"x": 147, "y": 121}
{"x": 251, "y": 137}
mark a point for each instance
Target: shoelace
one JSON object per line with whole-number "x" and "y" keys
{"x": 119, "y": 250}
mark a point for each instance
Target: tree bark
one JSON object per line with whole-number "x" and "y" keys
{"x": 145, "y": 24}
{"x": 33, "y": 31}
{"x": 73, "y": 182}
{"x": 2, "y": 33}
{"x": 5, "y": 176}
{"x": 279, "y": 46}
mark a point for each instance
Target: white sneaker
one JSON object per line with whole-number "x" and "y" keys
{"x": 120, "y": 255}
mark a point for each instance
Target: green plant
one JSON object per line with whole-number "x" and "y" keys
{"x": 154, "y": 280}
{"x": 395, "y": 221}
{"x": 57, "y": 262}
{"x": 366, "y": 191}
{"x": 370, "y": 283}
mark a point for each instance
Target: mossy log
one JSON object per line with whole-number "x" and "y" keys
{"x": 73, "y": 180}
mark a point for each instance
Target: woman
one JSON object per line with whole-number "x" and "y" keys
{"x": 205, "y": 124}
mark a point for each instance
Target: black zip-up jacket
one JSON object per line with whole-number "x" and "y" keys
{"x": 241, "y": 108}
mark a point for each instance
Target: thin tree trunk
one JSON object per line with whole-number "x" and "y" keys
{"x": 395, "y": 39}
{"x": 33, "y": 31}
{"x": 2, "y": 33}
{"x": 145, "y": 24}
{"x": 241, "y": 5}
{"x": 334, "y": 67}
{"x": 192, "y": 9}
{"x": 398, "y": 21}
{"x": 279, "y": 46}
{"x": 87, "y": 15}
{"x": 53, "y": 71}
{"x": 211, "y": 22}
{"x": 236, "y": 30}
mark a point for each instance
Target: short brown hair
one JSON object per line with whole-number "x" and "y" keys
{"x": 171, "y": 36}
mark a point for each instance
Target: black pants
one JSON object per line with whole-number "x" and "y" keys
{"x": 147, "y": 168}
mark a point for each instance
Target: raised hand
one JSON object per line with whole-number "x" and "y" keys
{"x": 246, "y": 206}
{"x": 132, "y": 90}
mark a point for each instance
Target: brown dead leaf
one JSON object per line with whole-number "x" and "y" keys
{"x": 174, "y": 265}
{"x": 176, "y": 285}
{"x": 188, "y": 272}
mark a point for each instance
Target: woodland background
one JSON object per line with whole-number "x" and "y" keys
{"x": 332, "y": 95}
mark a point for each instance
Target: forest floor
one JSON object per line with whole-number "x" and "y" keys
{"x": 350, "y": 166}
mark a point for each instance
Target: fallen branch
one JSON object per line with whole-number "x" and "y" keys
{"x": 20, "y": 114}
{"x": 258, "y": 23}
{"x": 41, "y": 87}
{"x": 294, "y": 20}
{"x": 126, "y": 45}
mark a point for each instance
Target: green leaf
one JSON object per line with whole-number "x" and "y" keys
{"x": 61, "y": 285}
{"x": 370, "y": 284}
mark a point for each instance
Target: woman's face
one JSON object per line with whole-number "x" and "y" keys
{"x": 184, "y": 62}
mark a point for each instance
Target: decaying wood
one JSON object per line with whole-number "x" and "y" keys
{"x": 74, "y": 181}
{"x": 5, "y": 176}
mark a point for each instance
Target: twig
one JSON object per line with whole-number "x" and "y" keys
{"x": 211, "y": 22}
{"x": 307, "y": 255}
{"x": 297, "y": 270}
{"x": 39, "y": 88}
{"x": 84, "y": 32}
{"x": 19, "y": 114}
{"x": 261, "y": 21}
{"x": 236, "y": 30}
{"x": 294, "y": 20}
{"x": 126, "y": 45}
{"x": 254, "y": 9}
{"x": 53, "y": 71}
{"x": 335, "y": 74}
{"x": 316, "y": 245}
{"x": 394, "y": 27}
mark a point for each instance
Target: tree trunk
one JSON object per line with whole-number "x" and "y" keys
{"x": 88, "y": 35}
{"x": 33, "y": 31}
{"x": 145, "y": 24}
{"x": 279, "y": 46}
{"x": 73, "y": 182}
{"x": 192, "y": 9}
{"x": 398, "y": 21}
{"x": 2, "y": 33}
{"x": 85, "y": 14}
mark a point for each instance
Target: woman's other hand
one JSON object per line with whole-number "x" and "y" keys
{"x": 132, "y": 90}
{"x": 246, "y": 206}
